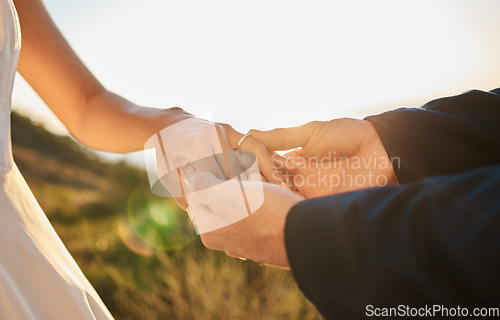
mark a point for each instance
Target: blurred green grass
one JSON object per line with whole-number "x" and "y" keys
{"x": 139, "y": 251}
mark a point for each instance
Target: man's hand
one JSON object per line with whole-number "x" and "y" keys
{"x": 332, "y": 157}
{"x": 258, "y": 236}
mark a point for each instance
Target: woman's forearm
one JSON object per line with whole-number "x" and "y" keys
{"x": 111, "y": 123}
{"x": 96, "y": 117}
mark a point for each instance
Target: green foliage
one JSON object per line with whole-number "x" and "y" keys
{"x": 139, "y": 251}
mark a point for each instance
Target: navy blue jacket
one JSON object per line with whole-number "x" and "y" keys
{"x": 433, "y": 240}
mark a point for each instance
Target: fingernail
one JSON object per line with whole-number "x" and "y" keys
{"x": 285, "y": 186}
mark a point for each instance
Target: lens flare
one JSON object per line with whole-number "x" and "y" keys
{"x": 132, "y": 241}
{"x": 101, "y": 244}
{"x": 150, "y": 229}
{"x": 156, "y": 222}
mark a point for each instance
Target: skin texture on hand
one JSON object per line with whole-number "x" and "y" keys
{"x": 330, "y": 157}
{"x": 259, "y": 236}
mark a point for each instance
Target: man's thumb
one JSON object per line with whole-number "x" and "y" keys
{"x": 286, "y": 138}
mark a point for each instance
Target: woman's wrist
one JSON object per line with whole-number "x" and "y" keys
{"x": 159, "y": 119}
{"x": 114, "y": 124}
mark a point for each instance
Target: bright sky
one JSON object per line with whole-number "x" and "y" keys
{"x": 265, "y": 64}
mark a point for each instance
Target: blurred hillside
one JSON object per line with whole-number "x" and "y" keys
{"x": 140, "y": 251}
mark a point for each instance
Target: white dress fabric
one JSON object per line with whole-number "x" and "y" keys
{"x": 38, "y": 277}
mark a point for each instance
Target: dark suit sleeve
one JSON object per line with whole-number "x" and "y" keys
{"x": 435, "y": 241}
{"x": 446, "y": 136}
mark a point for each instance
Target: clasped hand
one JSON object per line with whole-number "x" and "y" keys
{"x": 233, "y": 207}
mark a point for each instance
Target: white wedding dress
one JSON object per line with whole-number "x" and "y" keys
{"x": 38, "y": 277}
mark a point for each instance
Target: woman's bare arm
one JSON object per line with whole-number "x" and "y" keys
{"x": 92, "y": 114}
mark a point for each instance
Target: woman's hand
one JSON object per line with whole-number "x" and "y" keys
{"x": 258, "y": 236}
{"x": 187, "y": 144}
{"x": 267, "y": 166}
{"x": 333, "y": 156}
